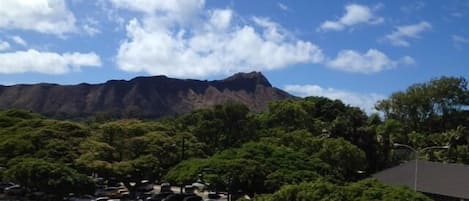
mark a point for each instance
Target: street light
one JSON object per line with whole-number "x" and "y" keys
{"x": 417, "y": 155}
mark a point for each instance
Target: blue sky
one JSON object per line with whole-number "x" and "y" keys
{"x": 356, "y": 51}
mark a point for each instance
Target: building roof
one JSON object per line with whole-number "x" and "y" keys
{"x": 436, "y": 178}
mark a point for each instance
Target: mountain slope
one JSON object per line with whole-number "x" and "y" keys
{"x": 149, "y": 97}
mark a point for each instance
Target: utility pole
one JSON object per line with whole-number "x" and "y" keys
{"x": 417, "y": 153}
{"x": 182, "y": 158}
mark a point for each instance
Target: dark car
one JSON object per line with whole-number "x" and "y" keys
{"x": 160, "y": 196}
{"x": 15, "y": 190}
{"x": 145, "y": 187}
{"x": 213, "y": 196}
{"x": 102, "y": 199}
{"x": 183, "y": 197}
{"x": 4, "y": 185}
{"x": 82, "y": 198}
{"x": 112, "y": 192}
{"x": 189, "y": 189}
{"x": 166, "y": 188}
{"x": 193, "y": 198}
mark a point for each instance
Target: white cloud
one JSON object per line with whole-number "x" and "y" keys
{"x": 213, "y": 45}
{"x": 221, "y": 18}
{"x": 271, "y": 30}
{"x": 90, "y": 26}
{"x": 406, "y": 60}
{"x": 365, "y": 101}
{"x": 4, "y": 45}
{"x": 460, "y": 39}
{"x": 18, "y": 40}
{"x": 179, "y": 11}
{"x": 216, "y": 42}
{"x": 45, "y": 16}
{"x": 354, "y": 14}
{"x": 282, "y": 6}
{"x": 45, "y": 62}
{"x": 370, "y": 62}
{"x": 90, "y": 30}
{"x": 400, "y": 36}
{"x": 331, "y": 25}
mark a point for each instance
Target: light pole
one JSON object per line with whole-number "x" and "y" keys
{"x": 417, "y": 155}
{"x": 182, "y": 159}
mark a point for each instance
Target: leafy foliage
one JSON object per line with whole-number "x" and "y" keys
{"x": 48, "y": 177}
{"x": 430, "y": 107}
{"x": 323, "y": 190}
{"x": 303, "y": 149}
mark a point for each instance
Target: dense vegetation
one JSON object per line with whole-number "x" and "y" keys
{"x": 306, "y": 149}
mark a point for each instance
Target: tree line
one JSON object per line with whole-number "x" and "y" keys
{"x": 304, "y": 149}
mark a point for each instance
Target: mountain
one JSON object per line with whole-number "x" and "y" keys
{"x": 147, "y": 97}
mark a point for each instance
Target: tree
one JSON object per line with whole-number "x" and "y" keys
{"x": 370, "y": 189}
{"x": 319, "y": 190}
{"x": 221, "y": 127}
{"x": 323, "y": 190}
{"x": 252, "y": 168}
{"x": 389, "y": 132}
{"x": 288, "y": 115}
{"x": 222, "y": 174}
{"x": 345, "y": 158}
{"x": 433, "y": 106}
{"x": 52, "y": 178}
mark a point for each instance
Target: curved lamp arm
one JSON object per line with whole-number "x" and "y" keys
{"x": 406, "y": 146}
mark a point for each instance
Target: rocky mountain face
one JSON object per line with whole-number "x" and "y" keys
{"x": 147, "y": 97}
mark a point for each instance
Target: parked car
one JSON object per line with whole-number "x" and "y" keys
{"x": 100, "y": 182}
{"x": 213, "y": 196}
{"x": 82, "y": 198}
{"x": 183, "y": 197}
{"x": 165, "y": 188}
{"x": 192, "y": 198}
{"x": 102, "y": 199}
{"x": 15, "y": 190}
{"x": 4, "y": 185}
{"x": 112, "y": 192}
{"x": 189, "y": 189}
{"x": 38, "y": 195}
{"x": 145, "y": 186}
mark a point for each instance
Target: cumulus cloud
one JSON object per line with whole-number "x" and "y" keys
{"x": 365, "y": 101}
{"x": 214, "y": 45}
{"x": 221, "y": 18}
{"x": 402, "y": 34}
{"x": 18, "y": 40}
{"x": 151, "y": 6}
{"x": 217, "y": 42}
{"x": 370, "y": 62}
{"x": 4, "y": 45}
{"x": 354, "y": 14}
{"x": 45, "y": 16}
{"x": 45, "y": 62}
{"x": 180, "y": 11}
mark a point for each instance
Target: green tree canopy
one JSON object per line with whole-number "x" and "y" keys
{"x": 323, "y": 190}
{"x": 433, "y": 106}
{"x": 52, "y": 178}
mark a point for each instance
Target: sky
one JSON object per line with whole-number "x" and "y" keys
{"x": 356, "y": 51}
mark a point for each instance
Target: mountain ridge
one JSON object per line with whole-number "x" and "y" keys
{"x": 144, "y": 96}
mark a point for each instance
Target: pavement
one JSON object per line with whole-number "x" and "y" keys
{"x": 203, "y": 194}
